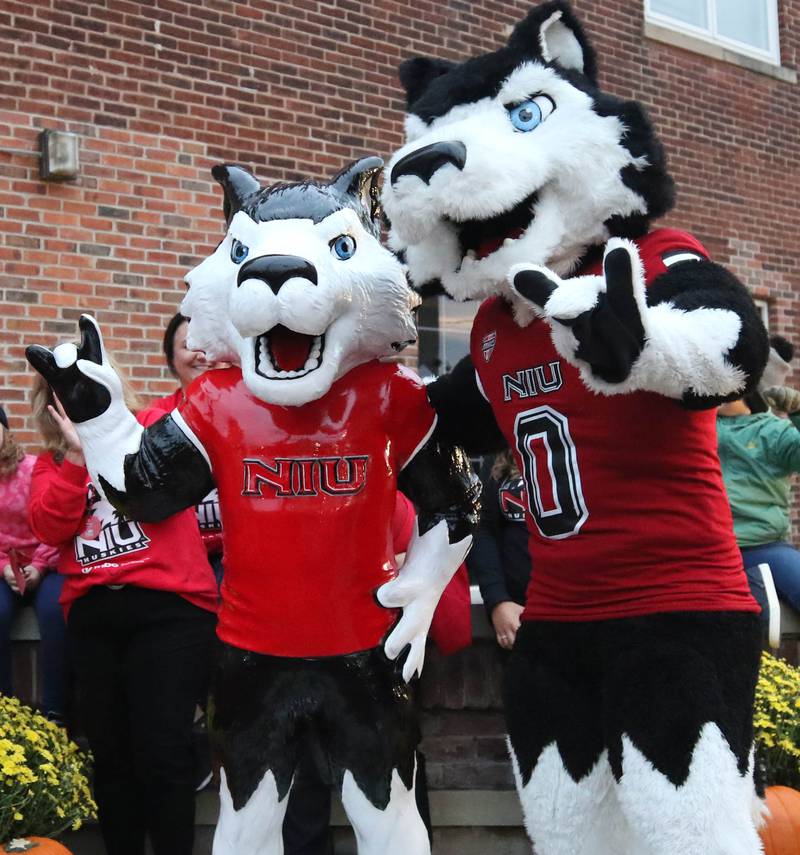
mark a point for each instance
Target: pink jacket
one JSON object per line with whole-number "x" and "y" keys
{"x": 15, "y": 531}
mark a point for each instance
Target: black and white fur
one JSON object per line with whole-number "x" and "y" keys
{"x": 646, "y": 758}
{"x": 356, "y": 309}
{"x": 549, "y": 200}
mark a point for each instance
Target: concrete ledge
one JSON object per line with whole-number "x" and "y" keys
{"x": 481, "y": 628}
{"x": 790, "y": 622}
{"x": 449, "y": 809}
{"x": 25, "y": 626}
{"x": 470, "y": 808}
{"x": 446, "y": 841}
{"x": 678, "y": 39}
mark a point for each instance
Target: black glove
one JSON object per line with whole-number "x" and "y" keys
{"x": 610, "y": 335}
{"x": 82, "y": 397}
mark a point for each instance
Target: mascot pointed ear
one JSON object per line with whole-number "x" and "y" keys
{"x": 553, "y": 33}
{"x": 360, "y": 180}
{"x": 417, "y": 73}
{"x": 238, "y": 182}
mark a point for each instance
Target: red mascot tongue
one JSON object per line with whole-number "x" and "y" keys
{"x": 290, "y": 349}
{"x": 491, "y": 244}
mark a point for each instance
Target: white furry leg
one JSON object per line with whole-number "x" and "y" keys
{"x": 709, "y": 814}
{"x": 396, "y": 830}
{"x": 255, "y": 829}
{"x": 563, "y": 817}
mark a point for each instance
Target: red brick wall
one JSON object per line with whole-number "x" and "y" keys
{"x": 160, "y": 90}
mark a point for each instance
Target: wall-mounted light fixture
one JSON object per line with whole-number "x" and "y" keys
{"x": 60, "y": 160}
{"x": 59, "y": 155}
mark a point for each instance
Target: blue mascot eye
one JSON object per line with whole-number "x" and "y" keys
{"x": 344, "y": 246}
{"x": 526, "y": 116}
{"x": 238, "y": 251}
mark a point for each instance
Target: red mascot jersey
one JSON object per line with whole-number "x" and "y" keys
{"x": 627, "y": 512}
{"x": 307, "y": 494}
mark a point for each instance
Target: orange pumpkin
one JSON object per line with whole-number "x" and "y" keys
{"x": 35, "y": 845}
{"x": 781, "y": 834}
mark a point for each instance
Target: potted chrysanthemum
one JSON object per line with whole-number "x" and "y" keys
{"x": 777, "y": 730}
{"x": 44, "y": 788}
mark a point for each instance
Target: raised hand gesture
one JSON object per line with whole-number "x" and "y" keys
{"x": 81, "y": 377}
{"x": 605, "y": 316}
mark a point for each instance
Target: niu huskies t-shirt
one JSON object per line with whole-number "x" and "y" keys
{"x": 99, "y": 546}
{"x": 308, "y": 495}
{"x": 626, "y": 507}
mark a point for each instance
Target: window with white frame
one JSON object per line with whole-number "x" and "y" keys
{"x": 745, "y": 26}
{"x": 444, "y": 326}
{"x": 763, "y": 310}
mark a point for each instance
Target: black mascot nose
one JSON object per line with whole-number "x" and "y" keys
{"x": 426, "y": 160}
{"x": 276, "y": 269}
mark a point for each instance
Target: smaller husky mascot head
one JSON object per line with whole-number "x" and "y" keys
{"x": 300, "y": 290}
{"x": 515, "y": 156}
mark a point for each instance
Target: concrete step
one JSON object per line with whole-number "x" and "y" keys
{"x": 466, "y": 822}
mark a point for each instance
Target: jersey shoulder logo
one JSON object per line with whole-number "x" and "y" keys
{"x": 489, "y": 341}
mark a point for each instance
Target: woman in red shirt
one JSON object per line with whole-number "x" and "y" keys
{"x": 140, "y": 601}
{"x": 186, "y": 365}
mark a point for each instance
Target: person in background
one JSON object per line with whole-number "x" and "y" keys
{"x": 140, "y": 601}
{"x": 20, "y": 549}
{"x": 499, "y": 558}
{"x": 759, "y": 453}
{"x": 185, "y": 365}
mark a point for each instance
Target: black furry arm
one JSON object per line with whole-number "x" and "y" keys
{"x": 167, "y": 474}
{"x": 702, "y": 284}
{"x": 440, "y": 482}
{"x": 465, "y": 417}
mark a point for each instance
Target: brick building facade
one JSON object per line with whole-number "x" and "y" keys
{"x": 160, "y": 90}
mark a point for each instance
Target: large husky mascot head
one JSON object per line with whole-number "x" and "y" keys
{"x": 300, "y": 290}
{"x": 515, "y": 156}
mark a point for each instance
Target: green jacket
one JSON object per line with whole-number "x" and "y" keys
{"x": 758, "y": 453}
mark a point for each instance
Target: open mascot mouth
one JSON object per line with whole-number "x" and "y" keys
{"x": 480, "y": 238}
{"x": 283, "y": 354}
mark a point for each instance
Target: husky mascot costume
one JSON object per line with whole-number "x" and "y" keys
{"x": 307, "y": 440}
{"x": 598, "y": 355}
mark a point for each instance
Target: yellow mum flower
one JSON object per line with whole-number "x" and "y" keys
{"x": 44, "y": 789}
{"x": 776, "y": 720}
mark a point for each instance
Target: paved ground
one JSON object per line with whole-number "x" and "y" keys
{"x": 466, "y": 822}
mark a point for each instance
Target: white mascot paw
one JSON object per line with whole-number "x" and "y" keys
{"x": 431, "y": 562}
